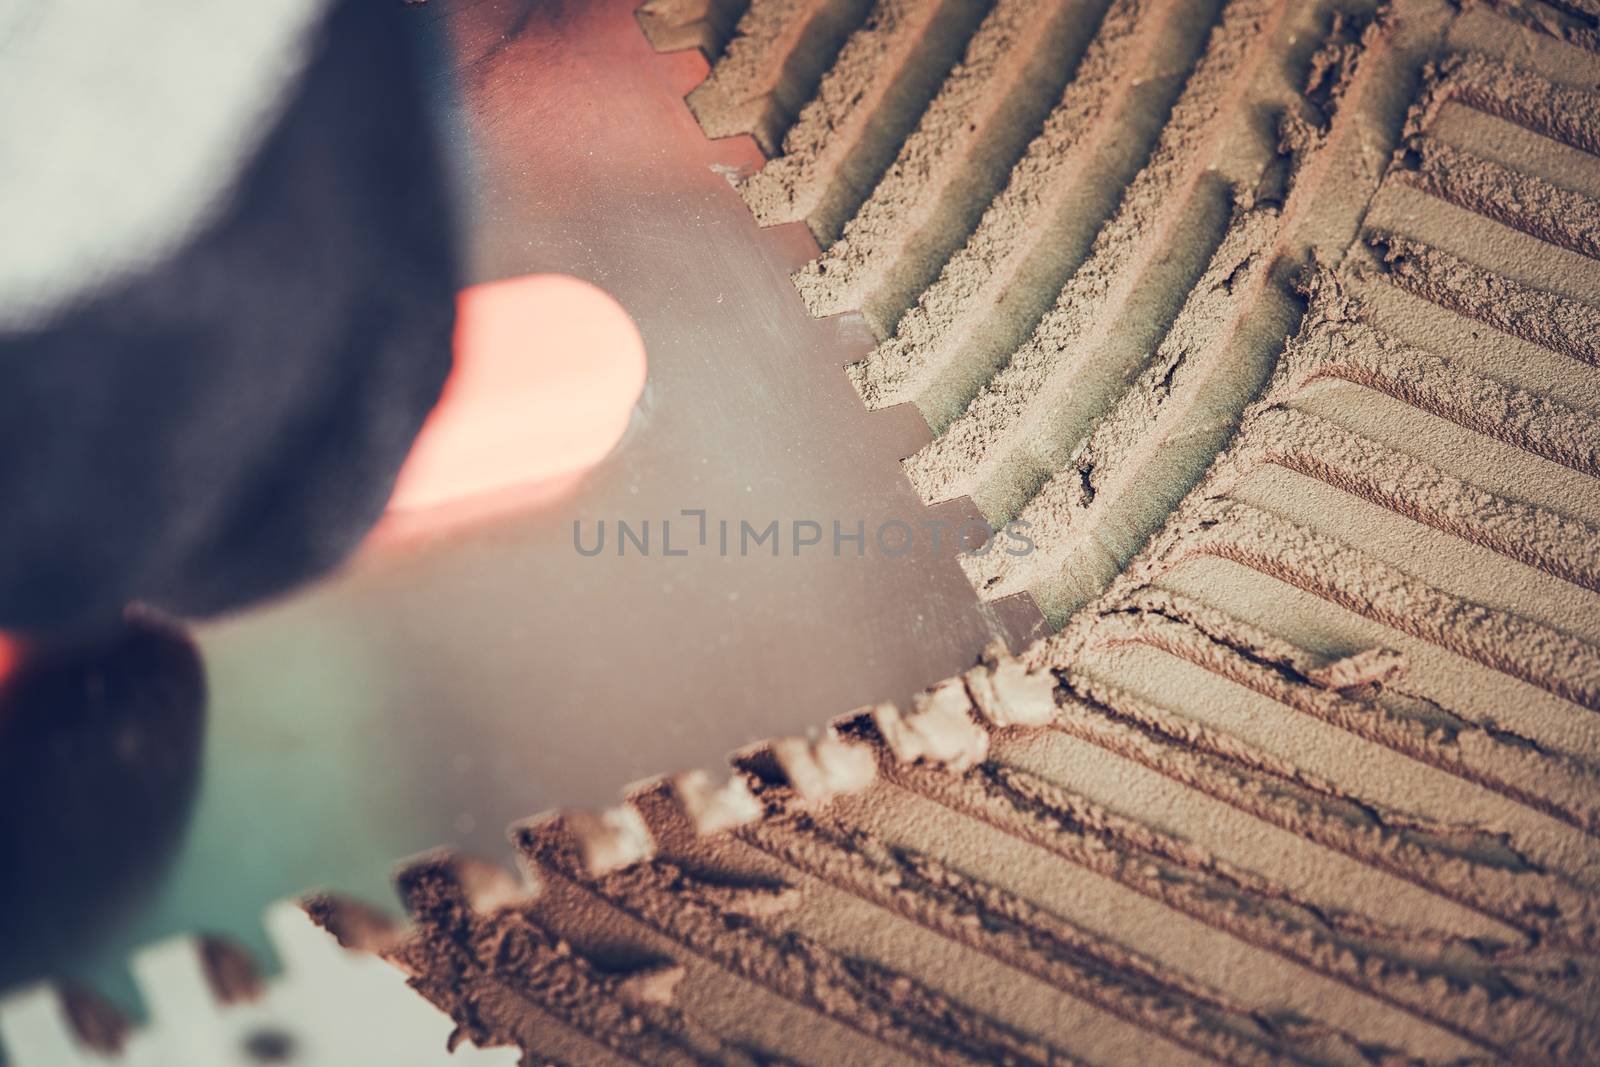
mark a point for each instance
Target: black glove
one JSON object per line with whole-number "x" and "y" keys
{"x": 216, "y": 426}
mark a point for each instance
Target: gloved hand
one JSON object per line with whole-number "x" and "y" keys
{"x": 215, "y": 407}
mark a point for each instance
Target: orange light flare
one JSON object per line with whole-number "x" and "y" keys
{"x": 548, "y": 369}
{"x": 10, "y": 657}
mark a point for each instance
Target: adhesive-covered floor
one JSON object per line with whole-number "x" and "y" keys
{"x": 1278, "y": 324}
